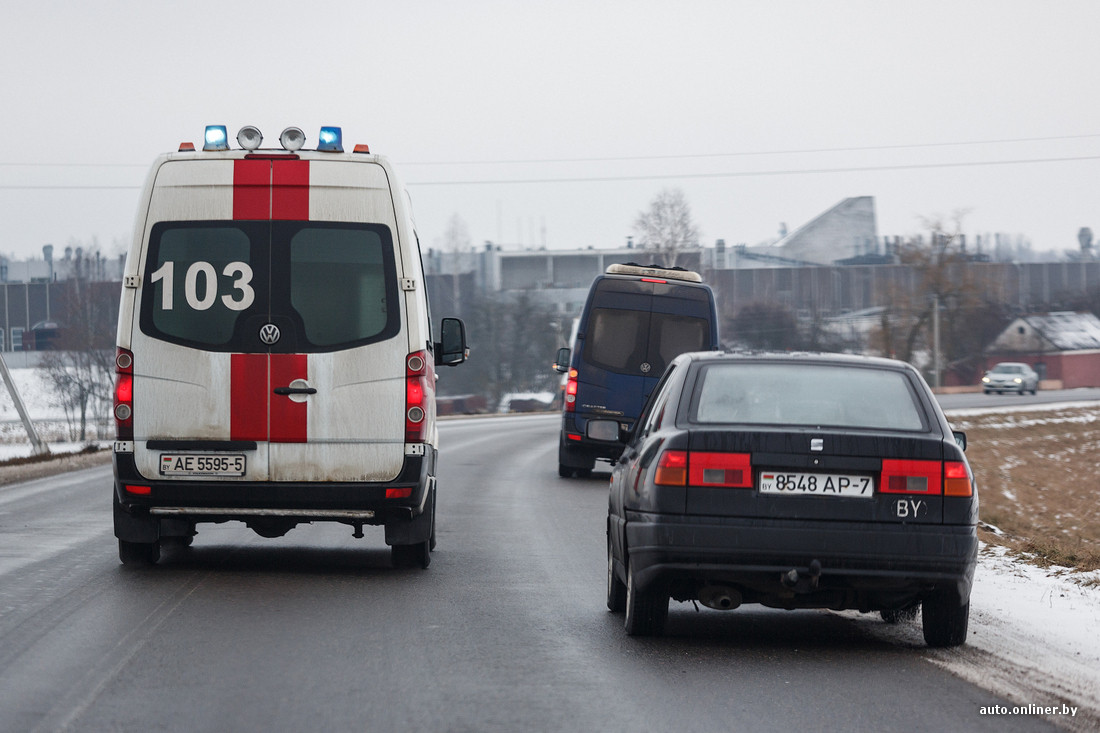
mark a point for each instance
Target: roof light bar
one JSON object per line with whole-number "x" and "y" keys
{"x": 216, "y": 138}
{"x": 292, "y": 139}
{"x": 249, "y": 137}
{"x": 331, "y": 140}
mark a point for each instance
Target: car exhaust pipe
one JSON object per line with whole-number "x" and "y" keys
{"x": 720, "y": 597}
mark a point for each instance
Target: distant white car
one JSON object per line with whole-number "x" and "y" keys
{"x": 1010, "y": 376}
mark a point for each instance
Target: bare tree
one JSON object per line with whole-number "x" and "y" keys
{"x": 667, "y": 227}
{"x": 943, "y": 284}
{"x": 81, "y": 370}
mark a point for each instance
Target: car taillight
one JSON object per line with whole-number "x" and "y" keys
{"x": 911, "y": 477}
{"x": 956, "y": 479}
{"x": 417, "y": 387}
{"x": 732, "y": 470}
{"x": 571, "y": 391}
{"x": 124, "y": 395}
{"x": 672, "y": 468}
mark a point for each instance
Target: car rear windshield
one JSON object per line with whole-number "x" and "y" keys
{"x": 804, "y": 394}
{"x": 216, "y": 284}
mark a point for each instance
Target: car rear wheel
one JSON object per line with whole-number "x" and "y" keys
{"x": 138, "y": 553}
{"x": 646, "y": 611}
{"x": 616, "y": 591}
{"x": 944, "y": 618}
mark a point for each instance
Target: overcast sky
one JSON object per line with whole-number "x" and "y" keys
{"x": 557, "y": 123}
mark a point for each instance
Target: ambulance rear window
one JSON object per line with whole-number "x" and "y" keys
{"x": 338, "y": 284}
{"x": 223, "y": 285}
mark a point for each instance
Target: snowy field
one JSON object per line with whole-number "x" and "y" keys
{"x": 1034, "y": 632}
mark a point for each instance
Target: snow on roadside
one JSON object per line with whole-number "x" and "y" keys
{"x": 1034, "y": 637}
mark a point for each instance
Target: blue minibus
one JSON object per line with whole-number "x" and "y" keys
{"x": 636, "y": 320}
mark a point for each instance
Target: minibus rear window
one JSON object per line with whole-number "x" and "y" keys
{"x": 641, "y": 342}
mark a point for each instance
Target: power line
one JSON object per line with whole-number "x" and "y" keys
{"x": 651, "y": 177}
{"x": 668, "y": 156}
{"x": 750, "y": 174}
{"x": 792, "y": 151}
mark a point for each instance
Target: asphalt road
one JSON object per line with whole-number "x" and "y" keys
{"x": 506, "y": 631}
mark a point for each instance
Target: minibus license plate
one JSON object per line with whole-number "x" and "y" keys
{"x": 816, "y": 484}
{"x": 194, "y": 464}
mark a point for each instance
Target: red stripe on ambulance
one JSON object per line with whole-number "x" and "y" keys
{"x": 248, "y": 397}
{"x": 268, "y": 189}
{"x": 290, "y": 190}
{"x": 271, "y": 189}
{"x": 251, "y": 189}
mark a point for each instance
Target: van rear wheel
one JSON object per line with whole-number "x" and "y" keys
{"x": 418, "y": 555}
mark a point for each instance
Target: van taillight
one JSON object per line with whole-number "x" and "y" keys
{"x": 124, "y": 395}
{"x": 571, "y": 391}
{"x": 417, "y": 387}
{"x": 911, "y": 477}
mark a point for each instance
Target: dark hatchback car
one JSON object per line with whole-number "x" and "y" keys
{"x": 793, "y": 481}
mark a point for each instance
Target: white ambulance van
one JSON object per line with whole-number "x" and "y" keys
{"x": 276, "y": 360}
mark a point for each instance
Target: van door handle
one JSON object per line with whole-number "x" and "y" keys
{"x": 295, "y": 390}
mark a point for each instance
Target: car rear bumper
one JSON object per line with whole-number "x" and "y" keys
{"x": 760, "y": 552}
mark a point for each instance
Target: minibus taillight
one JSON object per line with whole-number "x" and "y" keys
{"x": 571, "y": 391}
{"x": 124, "y": 395}
{"x": 417, "y": 387}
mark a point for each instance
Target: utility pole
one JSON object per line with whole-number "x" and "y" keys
{"x": 936, "y": 341}
{"x": 40, "y": 448}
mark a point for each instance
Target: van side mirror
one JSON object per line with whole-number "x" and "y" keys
{"x": 561, "y": 363}
{"x": 451, "y": 349}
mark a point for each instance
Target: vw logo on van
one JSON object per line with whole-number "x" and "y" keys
{"x": 269, "y": 334}
{"x": 645, "y": 367}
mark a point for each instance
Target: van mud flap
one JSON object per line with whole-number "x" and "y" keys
{"x": 415, "y": 530}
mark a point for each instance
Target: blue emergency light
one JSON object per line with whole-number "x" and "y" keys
{"x": 331, "y": 140}
{"x": 216, "y": 138}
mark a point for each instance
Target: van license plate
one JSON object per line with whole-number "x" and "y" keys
{"x": 192, "y": 464}
{"x": 816, "y": 484}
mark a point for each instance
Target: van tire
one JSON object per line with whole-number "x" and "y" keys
{"x": 138, "y": 554}
{"x": 572, "y": 462}
{"x": 412, "y": 556}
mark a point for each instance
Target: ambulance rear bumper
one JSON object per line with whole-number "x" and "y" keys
{"x": 172, "y": 507}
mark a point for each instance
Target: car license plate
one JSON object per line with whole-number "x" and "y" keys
{"x": 198, "y": 464}
{"x": 816, "y": 484}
